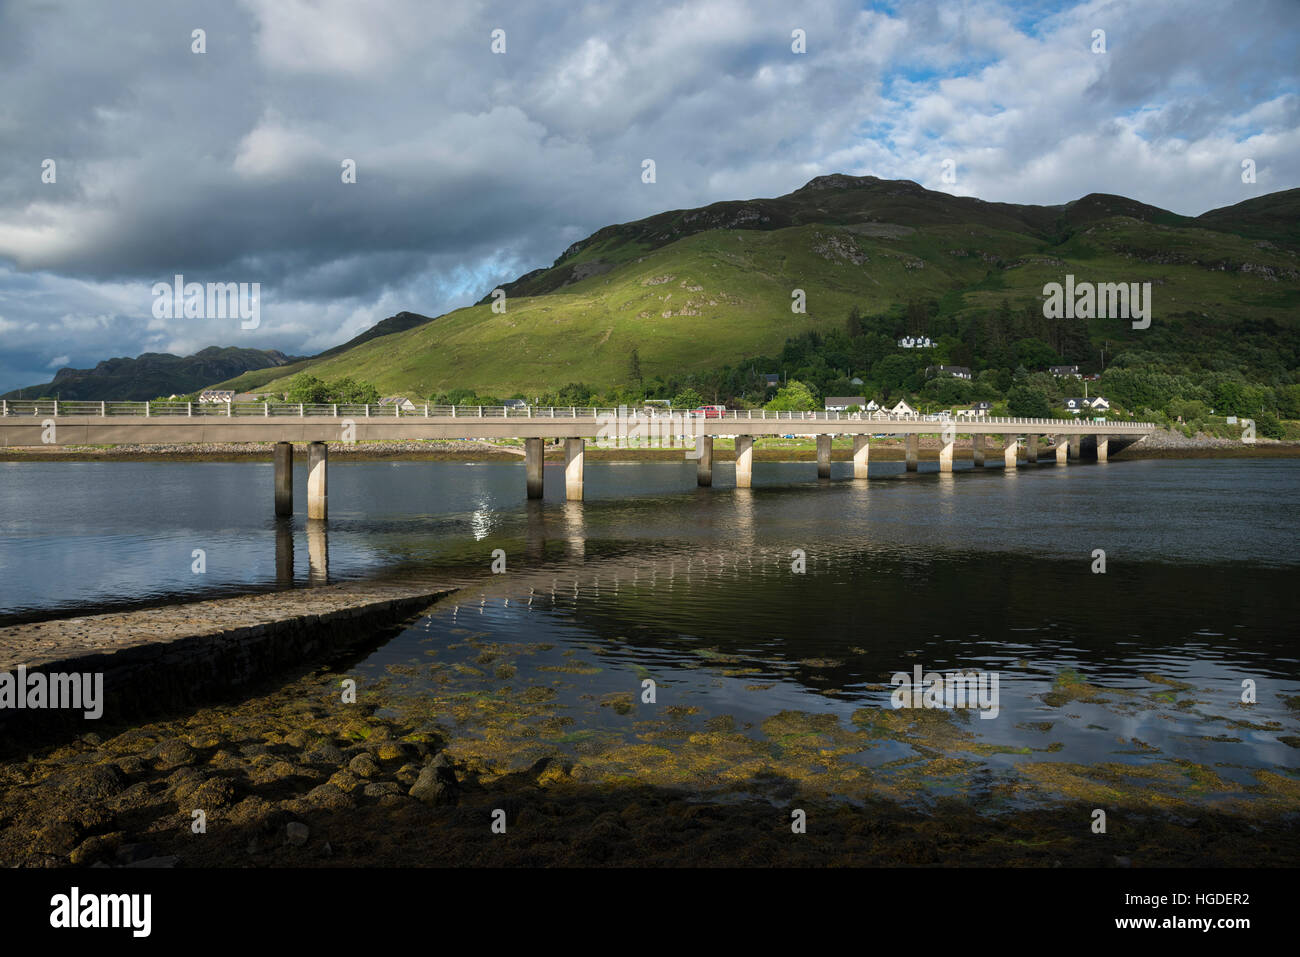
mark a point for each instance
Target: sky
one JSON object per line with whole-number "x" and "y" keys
{"x": 473, "y": 166}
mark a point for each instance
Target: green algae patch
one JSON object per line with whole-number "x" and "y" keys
{"x": 572, "y": 668}
{"x": 931, "y": 731}
{"x": 1069, "y": 686}
{"x": 621, "y": 702}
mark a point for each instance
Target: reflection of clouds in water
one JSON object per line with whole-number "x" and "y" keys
{"x": 749, "y": 673}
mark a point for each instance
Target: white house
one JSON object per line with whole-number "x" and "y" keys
{"x": 217, "y": 395}
{"x": 1063, "y": 370}
{"x": 902, "y": 409}
{"x": 1080, "y": 404}
{"x": 977, "y": 410}
{"x": 960, "y": 372}
{"x": 841, "y": 403}
{"x": 915, "y": 342}
{"x": 402, "y": 402}
{"x": 515, "y": 403}
{"x": 872, "y": 406}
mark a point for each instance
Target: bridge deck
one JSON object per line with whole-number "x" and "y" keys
{"x": 159, "y": 423}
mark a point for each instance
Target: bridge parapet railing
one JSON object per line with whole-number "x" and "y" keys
{"x": 52, "y": 407}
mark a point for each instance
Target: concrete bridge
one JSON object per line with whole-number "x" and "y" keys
{"x": 53, "y": 423}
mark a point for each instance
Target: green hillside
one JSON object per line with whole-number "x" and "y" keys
{"x": 694, "y": 290}
{"x": 256, "y": 380}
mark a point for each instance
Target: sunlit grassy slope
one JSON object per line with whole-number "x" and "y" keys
{"x": 691, "y": 290}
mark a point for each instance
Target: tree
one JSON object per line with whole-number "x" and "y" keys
{"x": 688, "y": 399}
{"x": 351, "y": 391}
{"x": 307, "y": 388}
{"x": 1288, "y": 401}
{"x": 1036, "y": 354}
{"x": 634, "y": 367}
{"x": 1267, "y": 425}
{"x": 794, "y": 396}
{"x": 1028, "y": 403}
{"x": 893, "y": 372}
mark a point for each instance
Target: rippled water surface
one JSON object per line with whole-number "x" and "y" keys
{"x": 696, "y": 588}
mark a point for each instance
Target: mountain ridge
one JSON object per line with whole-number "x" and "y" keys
{"x": 152, "y": 374}
{"x": 692, "y": 289}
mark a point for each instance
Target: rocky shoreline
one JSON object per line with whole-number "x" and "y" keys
{"x": 423, "y": 764}
{"x": 295, "y": 776}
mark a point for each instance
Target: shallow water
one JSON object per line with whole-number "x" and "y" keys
{"x": 696, "y": 589}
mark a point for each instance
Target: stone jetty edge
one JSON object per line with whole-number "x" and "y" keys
{"x": 155, "y": 659}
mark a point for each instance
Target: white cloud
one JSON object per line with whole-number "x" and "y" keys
{"x": 473, "y": 167}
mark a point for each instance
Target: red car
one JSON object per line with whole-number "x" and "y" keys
{"x": 710, "y": 412}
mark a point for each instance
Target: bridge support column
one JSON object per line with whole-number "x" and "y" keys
{"x": 317, "y": 464}
{"x": 861, "y": 455}
{"x": 1103, "y": 448}
{"x": 704, "y": 473}
{"x": 910, "y": 445}
{"x": 283, "y": 478}
{"x": 574, "y": 453}
{"x": 1062, "y": 450}
{"x": 534, "y": 466}
{"x": 1010, "y": 451}
{"x": 824, "y": 456}
{"x": 977, "y": 449}
{"x": 1076, "y": 447}
{"x": 744, "y": 461}
{"x": 1031, "y": 449}
{"x": 945, "y": 454}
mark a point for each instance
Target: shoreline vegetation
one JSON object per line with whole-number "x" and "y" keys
{"x": 1162, "y": 444}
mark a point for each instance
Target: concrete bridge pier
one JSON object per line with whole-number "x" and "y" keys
{"x": 1031, "y": 449}
{"x": 704, "y": 473}
{"x": 534, "y": 466}
{"x": 824, "y": 456}
{"x": 1103, "y": 448}
{"x": 910, "y": 445}
{"x": 744, "y": 461}
{"x": 317, "y": 465}
{"x": 977, "y": 449}
{"x": 1062, "y": 450}
{"x": 861, "y": 455}
{"x": 1076, "y": 447}
{"x": 574, "y": 453}
{"x": 945, "y": 454}
{"x": 1010, "y": 452}
{"x": 283, "y": 479}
